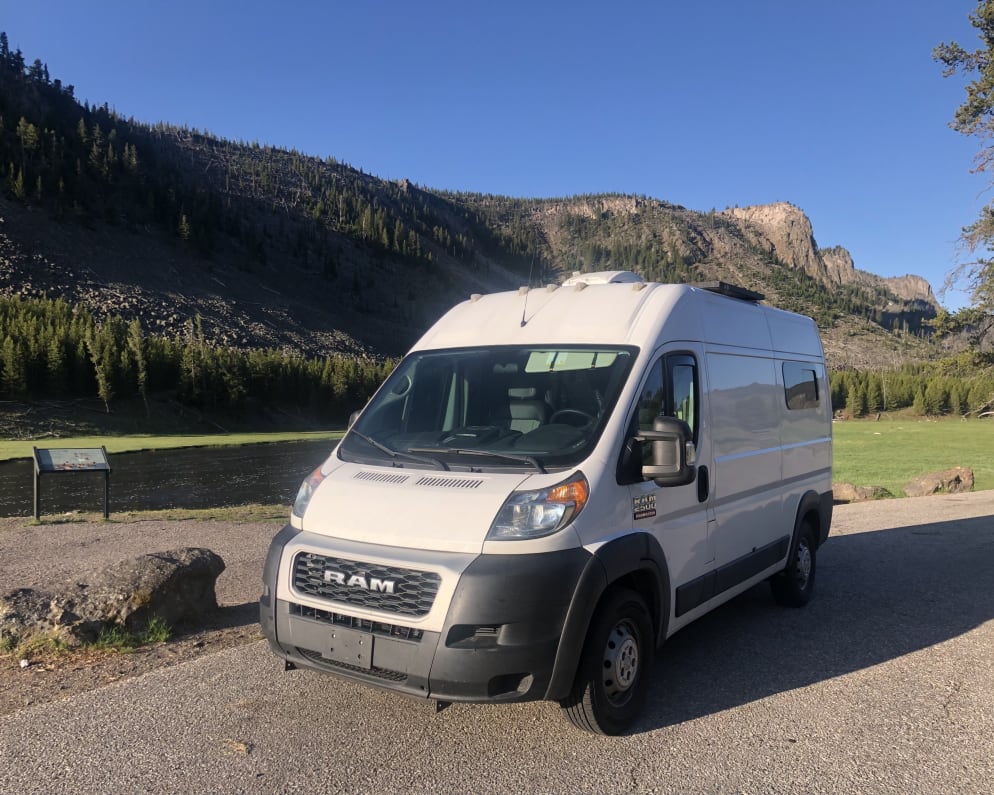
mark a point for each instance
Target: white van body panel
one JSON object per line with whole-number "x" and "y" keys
{"x": 594, "y": 314}
{"x": 426, "y": 509}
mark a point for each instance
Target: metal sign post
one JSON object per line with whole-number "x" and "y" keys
{"x": 67, "y": 460}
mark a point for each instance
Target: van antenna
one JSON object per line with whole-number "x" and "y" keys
{"x": 524, "y": 308}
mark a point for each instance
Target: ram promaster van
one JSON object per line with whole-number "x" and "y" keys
{"x": 551, "y": 483}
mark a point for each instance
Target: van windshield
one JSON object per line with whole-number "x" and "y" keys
{"x": 519, "y": 407}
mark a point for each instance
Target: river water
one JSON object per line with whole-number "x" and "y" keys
{"x": 200, "y": 477}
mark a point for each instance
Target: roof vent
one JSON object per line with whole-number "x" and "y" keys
{"x": 602, "y": 277}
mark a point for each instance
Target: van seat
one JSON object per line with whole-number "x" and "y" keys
{"x": 525, "y": 411}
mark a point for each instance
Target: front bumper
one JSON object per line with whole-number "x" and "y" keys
{"x": 498, "y": 643}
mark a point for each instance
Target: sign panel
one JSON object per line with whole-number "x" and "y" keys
{"x": 72, "y": 459}
{"x": 61, "y": 460}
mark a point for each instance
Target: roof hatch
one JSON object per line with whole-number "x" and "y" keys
{"x": 730, "y": 291}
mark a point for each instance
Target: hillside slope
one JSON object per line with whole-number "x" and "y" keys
{"x": 274, "y": 248}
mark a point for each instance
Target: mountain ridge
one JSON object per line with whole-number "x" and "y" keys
{"x": 274, "y": 248}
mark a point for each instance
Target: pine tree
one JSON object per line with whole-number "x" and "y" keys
{"x": 57, "y": 367}
{"x": 874, "y": 395}
{"x": 104, "y": 357}
{"x": 856, "y": 401}
{"x": 919, "y": 403}
{"x": 136, "y": 349}
{"x": 13, "y": 360}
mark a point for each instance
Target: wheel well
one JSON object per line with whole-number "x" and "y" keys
{"x": 810, "y": 510}
{"x": 645, "y": 584}
{"x": 633, "y": 561}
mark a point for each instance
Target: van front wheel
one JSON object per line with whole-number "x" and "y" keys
{"x": 794, "y": 586}
{"x": 613, "y": 675}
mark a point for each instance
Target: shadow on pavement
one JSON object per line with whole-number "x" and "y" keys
{"x": 879, "y": 595}
{"x": 227, "y": 617}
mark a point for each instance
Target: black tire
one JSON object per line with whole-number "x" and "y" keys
{"x": 794, "y": 586}
{"x": 613, "y": 675}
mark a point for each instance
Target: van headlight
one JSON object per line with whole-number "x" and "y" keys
{"x": 542, "y": 512}
{"x": 306, "y": 491}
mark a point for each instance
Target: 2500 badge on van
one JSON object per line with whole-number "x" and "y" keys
{"x": 550, "y": 484}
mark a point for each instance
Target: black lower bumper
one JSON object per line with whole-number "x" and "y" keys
{"x": 498, "y": 644}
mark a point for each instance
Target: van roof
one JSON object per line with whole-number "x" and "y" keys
{"x": 629, "y": 312}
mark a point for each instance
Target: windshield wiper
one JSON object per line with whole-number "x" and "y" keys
{"x": 395, "y": 454}
{"x": 518, "y": 457}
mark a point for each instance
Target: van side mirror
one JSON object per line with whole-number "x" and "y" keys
{"x": 673, "y": 456}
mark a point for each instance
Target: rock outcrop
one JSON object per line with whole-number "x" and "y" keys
{"x": 173, "y": 587}
{"x": 950, "y": 481}
{"x": 847, "y": 492}
{"x": 784, "y": 232}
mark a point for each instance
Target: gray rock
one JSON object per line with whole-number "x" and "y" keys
{"x": 950, "y": 481}
{"x": 176, "y": 586}
{"x": 847, "y": 492}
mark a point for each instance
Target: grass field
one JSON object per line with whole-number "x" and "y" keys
{"x": 896, "y": 449}
{"x": 129, "y": 444}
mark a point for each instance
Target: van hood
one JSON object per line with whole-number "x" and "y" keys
{"x": 429, "y": 510}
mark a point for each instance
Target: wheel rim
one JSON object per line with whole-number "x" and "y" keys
{"x": 621, "y": 662}
{"x": 802, "y": 566}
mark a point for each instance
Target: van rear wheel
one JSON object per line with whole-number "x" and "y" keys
{"x": 794, "y": 586}
{"x": 613, "y": 675}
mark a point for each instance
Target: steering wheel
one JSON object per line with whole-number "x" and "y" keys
{"x": 587, "y": 419}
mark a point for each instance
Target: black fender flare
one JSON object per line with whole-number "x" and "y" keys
{"x": 270, "y": 571}
{"x": 812, "y": 503}
{"x": 635, "y": 556}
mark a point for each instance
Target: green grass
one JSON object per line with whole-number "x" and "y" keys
{"x": 128, "y": 444}
{"x": 223, "y": 513}
{"x": 111, "y": 638}
{"x": 116, "y": 638}
{"x": 896, "y": 449}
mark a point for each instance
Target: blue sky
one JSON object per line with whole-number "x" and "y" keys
{"x": 836, "y": 107}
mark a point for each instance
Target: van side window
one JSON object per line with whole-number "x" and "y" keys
{"x": 800, "y": 384}
{"x": 670, "y": 391}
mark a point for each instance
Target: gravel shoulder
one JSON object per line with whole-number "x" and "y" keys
{"x": 44, "y": 555}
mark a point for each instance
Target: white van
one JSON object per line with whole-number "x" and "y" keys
{"x": 550, "y": 484}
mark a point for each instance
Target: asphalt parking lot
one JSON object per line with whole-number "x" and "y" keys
{"x": 884, "y": 683}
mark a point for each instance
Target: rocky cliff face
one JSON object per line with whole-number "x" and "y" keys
{"x": 911, "y": 288}
{"x": 784, "y": 232}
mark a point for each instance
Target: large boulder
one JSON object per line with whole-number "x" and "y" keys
{"x": 847, "y": 492}
{"x": 950, "y": 481}
{"x": 175, "y": 587}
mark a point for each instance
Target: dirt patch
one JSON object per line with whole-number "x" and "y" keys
{"x": 36, "y": 556}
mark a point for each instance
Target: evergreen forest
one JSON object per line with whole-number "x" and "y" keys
{"x": 51, "y": 350}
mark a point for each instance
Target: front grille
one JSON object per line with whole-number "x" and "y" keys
{"x": 391, "y": 589}
{"x": 352, "y": 622}
{"x": 379, "y": 673}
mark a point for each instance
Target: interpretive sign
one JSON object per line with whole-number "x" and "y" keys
{"x": 55, "y": 460}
